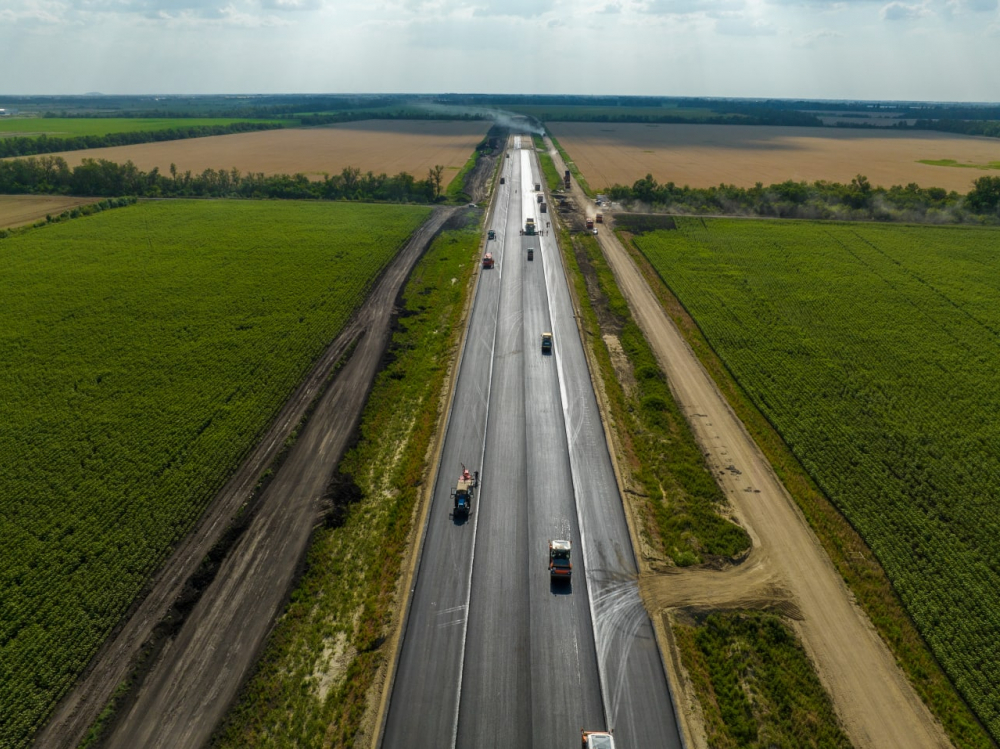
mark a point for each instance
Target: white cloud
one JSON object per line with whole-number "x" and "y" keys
{"x": 897, "y": 11}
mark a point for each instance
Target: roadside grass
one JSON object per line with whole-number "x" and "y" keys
{"x": 571, "y": 165}
{"x": 552, "y": 178}
{"x": 851, "y": 556}
{"x": 953, "y": 162}
{"x": 143, "y": 352}
{"x": 71, "y": 127}
{"x": 756, "y": 685}
{"x": 683, "y": 519}
{"x": 455, "y": 192}
{"x": 316, "y": 682}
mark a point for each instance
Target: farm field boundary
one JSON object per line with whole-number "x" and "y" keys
{"x": 742, "y": 155}
{"x": 171, "y": 271}
{"x": 380, "y": 146}
{"x": 930, "y": 277}
{"x": 20, "y": 210}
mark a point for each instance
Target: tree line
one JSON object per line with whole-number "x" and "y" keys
{"x": 858, "y": 199}
{"x": 41, "y": 144}
{"x": 102, "y": 178}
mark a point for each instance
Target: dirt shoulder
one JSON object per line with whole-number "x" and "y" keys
{"x": 192, "y": 681}
{"x": 788, "y": 568}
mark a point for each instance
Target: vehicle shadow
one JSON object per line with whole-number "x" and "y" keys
{"x": 560, "y": 587}
{"x": 459, "y": 518}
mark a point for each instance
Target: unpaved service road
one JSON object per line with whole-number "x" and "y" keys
{"x": 871, "y": 695}
{"x": 189, "y": 687}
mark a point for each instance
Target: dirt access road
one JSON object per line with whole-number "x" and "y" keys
{"x": 787, "y": 566}
{"x": 192, "y": 682}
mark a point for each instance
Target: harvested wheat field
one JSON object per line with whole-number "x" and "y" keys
{"x": 707, "y": 155}
{"x": 389, "y": 146}
{"x": 18, "y": 210}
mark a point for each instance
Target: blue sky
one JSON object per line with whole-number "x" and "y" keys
{"x": 870, "y": 49}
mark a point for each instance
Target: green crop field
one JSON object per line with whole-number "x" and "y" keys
{"x": 142, "y": 352}
{"x": 69, "y": 127}
{"x": 875, "y": 352}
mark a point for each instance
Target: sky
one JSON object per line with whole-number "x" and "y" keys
{"x": 942, "y": 50}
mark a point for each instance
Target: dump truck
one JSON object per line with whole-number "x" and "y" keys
{"x": 544, "y": 208}
{"x": 599, "y": 218}
{"x": 597, "y": 740}
{"x": 590, "y": 224}
{"x": 566, "y": 179}
{"x": 538, "y": 187}
{"x": 531, "y": 253}
{"x": 488, "y": 260}
{"x": 491, "y": 234}
{"x": 546, "y": 343}
{"x": 529, "y": 226}
{"x": 539, "y": 198}
{"x": 464, "y": 491}
{"x": 560, "y": 566}
{"x": 503, "y": 180}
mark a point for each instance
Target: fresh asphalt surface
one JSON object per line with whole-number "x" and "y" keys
{"x": 494, "y": 655}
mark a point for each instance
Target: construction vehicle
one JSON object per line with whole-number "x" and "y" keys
{"x": 544, "y": 208}
{"x": 560, "y": 566}
{"x": 531, "y": 253}
{"x": 488, "y": 260}
{"x": 529, "y": 226}
{"x": 546, "y": 343}
{"x": 503, "y": 180}
{"x": 491, "y": 234}
{"x": 590, "y": 224}
{"x": 597, "y": 740}
{"x": 539, "y": 198}
{"x": 599, "y": 218}
{"x": 538, "y": 187}
{"x": 566, "y": 179}
{"x": 463, "y": 492}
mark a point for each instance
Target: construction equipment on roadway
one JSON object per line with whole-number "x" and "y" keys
{"x": 597, "y": 740}
{"x": 488, "y": 260}
{"x": 463, "y": 492}
{"x": 566, "y": 179}
{"x": 544, "y": 208}
{"x": 539, "y": 198}
{"x": 531, "y": 253}
{"x": 491, "y": 234}
{"x": 529, "y": 226}
{"x": 503, "y": 180}
{"x": 538, "y": 187}
{"x": 546, "y": 343}
{"x": 590, "y": 224}
{"x": 560, "y": 566}
{"x": 599, "y": 218}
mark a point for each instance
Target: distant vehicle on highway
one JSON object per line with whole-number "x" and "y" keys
{"x": 546, "y": 343}
{"x": 488, "y": 260}
{"x": 463, "y": 492}
{"x": 492, "y": 234}
{"x": 531, "y": 253}
{"x": 560, "y": 566}
{"x": 598, "y": 740}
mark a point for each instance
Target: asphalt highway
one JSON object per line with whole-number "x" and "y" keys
{"x": 494, "y": 655}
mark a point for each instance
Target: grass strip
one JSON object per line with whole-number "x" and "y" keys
{"x": 682, "y": 504}
{"x": 953, "y": 162}
{"x": 552, "y": 178}
{"x": 852, "y": 557}
{"x": 571, "y": 165}
{"x": 455, "y": 191}
{"x": 314, "y": 683}
{"x": 756, "y": 685}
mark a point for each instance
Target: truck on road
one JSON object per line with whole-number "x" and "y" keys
{"x": 590, "y": 224}
{"x": 463, "y": 492}
{"x": 560, "y": 566}
{"x": 529, "y": 226}
{"x": 597, "y": 740}
{"x": 492, "y": 234}
{"x": 488, "y": 260}
{"x": 546, "y": 343}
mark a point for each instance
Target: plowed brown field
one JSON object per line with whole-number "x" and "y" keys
{"x": 707, "y": 155}
{"x": 17, "y": 210}
{"x": 389, "y": 146}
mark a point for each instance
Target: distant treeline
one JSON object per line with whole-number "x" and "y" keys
{"x": 405, "y": 114}
{"x": 820, "y": 200}
{"x": 31, "y": 146}
{"x": 101, "y": 178}
{"x": 989, "y": 128}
